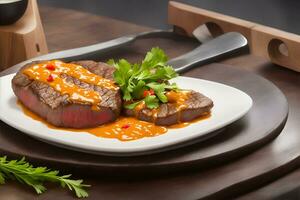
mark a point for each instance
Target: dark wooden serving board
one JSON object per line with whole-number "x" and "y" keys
{"x": 245, "y": 135}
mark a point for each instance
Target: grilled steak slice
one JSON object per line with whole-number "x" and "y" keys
{"x": 49, "y": 104}
{"x": 168, "y": 114}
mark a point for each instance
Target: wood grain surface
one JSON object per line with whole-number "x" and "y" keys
{"x": 231, "y": 179}
{"x": 239, "y": 138}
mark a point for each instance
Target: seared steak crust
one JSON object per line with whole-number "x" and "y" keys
{"x": 48, "y": 103}
{"x": 168, "y": 114}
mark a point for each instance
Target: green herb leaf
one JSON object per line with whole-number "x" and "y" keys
{"x": 133, "y": 105}
{"x": 151, "y": 101}
{"x": 172, "y": 86}
{"x": 139, "y": 89}
{"x": 156, "y": 57}
{"x": 159, "y": 89}
{"x": 134, "y": 79}
{"x": 25, "y": 173}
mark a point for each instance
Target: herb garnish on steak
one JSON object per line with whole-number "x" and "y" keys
{"x": 149, "y": 96}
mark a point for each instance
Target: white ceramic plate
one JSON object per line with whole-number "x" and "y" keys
{"x": 230, "y": 104}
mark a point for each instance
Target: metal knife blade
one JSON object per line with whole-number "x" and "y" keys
{"x": 208, "y": 51}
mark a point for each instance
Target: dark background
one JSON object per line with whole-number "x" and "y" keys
{"x": 282, "y": 14}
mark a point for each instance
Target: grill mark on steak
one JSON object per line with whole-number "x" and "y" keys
{"x": 197, "y": 105}
{"x": 48, "y": 103}
{"x": 48, "y": 95}
{"x": 108, "y": 97}
{"x": 99, "y": 68}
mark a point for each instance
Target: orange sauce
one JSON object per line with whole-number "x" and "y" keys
{"x": 124, "y": 129}
{"x": 41, "y": 73}
{"x": 178, "y": 98}
{"x": 140, "y": 106}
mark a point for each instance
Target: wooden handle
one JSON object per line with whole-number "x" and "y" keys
{"x": 24, "y": 39}
{"x": 280, "y": 47}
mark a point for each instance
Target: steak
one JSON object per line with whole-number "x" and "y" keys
{"x": 57, "y": 109}
{"x": 166, "y": 114}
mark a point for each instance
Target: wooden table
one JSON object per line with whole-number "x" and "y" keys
{"x": 253, "y": 171}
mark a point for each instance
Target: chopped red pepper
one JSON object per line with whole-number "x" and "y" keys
{"x": 151, "y": 91}
{"x": 148, "y": 92}
{"x": 50, "y": 67}
{"x": 126, "y": 126}
{"x": 50, "y": 78}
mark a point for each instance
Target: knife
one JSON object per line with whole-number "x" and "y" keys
{"x": 212, "y": 49}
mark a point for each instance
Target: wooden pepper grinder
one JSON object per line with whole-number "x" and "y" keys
{"x": 23, "y": 39}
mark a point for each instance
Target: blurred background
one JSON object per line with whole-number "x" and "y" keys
{"x": 280, "y": 14}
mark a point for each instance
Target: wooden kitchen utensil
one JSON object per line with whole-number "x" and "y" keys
{"x": 24, "y": 39}
{"x": 282, "y": 48}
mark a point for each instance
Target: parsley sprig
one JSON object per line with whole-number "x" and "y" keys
{"x": 153, "y": 73}
{"x": 25, "y": 173}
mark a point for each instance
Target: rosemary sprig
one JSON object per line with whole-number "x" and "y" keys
{"x": 25, "y": 173}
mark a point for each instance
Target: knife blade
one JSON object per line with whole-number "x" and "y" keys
{"x": 213, "y": 49}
